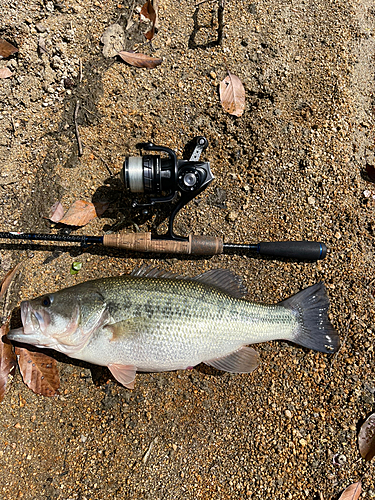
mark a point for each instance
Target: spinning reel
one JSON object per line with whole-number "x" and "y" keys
{"x": 166, "y": 179}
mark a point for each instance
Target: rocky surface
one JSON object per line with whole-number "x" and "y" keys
{"x": 292, "y": 167}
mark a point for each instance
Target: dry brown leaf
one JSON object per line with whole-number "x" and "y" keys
{"x": 366, "y": 438}
{"x": 232, "y": 95}
{"x": 39, "y": 372}
{"x": 82, "y": 212}
{"x": 148, "y": 12}
{"x": 56, "y": 212}
{"x": 8, "y": 361}
{"x": 352, "y": 492}
{"x": 139, "y": 60}
{"x": 6, "y": 49}
{"x": 4, "y": 285}
{"x": 155, "y": 4}
{"x": 5, "y": 73}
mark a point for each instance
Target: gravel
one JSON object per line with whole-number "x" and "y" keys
{"x": 292, "y": 167}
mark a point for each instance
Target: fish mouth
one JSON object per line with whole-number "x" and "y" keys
{"x": 16, "y": 334}
{"x": 34, "y": 323}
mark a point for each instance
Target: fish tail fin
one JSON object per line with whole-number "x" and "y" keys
{"x": 314, "y": 329}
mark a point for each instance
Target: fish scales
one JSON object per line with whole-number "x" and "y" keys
{"x": 183, "y": 322}
{"x": 131, "y": 323}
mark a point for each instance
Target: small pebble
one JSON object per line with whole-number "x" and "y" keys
{"x": 311, "y": 200}
{"x": 232, "y": 216}
{"x": 40, "y": 28}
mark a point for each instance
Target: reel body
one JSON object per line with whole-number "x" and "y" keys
{"x": 166, "y": 179}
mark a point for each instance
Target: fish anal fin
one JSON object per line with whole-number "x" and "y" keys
{"x": 125, "y": 374}
{"x": 245, "y": 360}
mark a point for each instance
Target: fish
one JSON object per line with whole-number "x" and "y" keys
{"x": 153, "y": 321}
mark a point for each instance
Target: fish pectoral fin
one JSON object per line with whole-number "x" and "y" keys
{"x": 125, "y": 374}
{"x": 126, "y": 328}
{"x": 245, "y": 360}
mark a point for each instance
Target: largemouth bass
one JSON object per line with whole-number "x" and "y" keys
{"x": 155, "y": 321}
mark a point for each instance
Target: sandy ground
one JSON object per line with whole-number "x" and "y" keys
{"x": 292, "y": 167}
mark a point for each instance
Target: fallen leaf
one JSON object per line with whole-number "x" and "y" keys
{"x": 39, "y": 371}
{"x": 6, "y": 49}
{"x": 155, "y": 4}
{"x": 366, "y": 438}
{"x": 139, "y": 60}
{"x": 148, "y": 12}
{"x": 370, "y": 169}
{"x": 56, "y": 212}
{"x": 82, "y": 212}
{"x": 5, "y": 73}
{"x": 4, "y": 285}
{"x": 113, "y": 40}
{"x": 8, "y": 361}
{"x": 232, "y": 95}
{"x": 352, "y": 492}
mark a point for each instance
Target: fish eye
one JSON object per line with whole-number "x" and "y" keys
{"x": 46, "y": 301}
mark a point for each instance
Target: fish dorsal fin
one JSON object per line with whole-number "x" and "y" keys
{"x": 225, "y": 280}
{"x": 145, "y": 271}
{"x": 245, "y": 360}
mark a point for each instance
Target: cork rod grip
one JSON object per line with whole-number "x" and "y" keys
{"x": 143, "y": 242}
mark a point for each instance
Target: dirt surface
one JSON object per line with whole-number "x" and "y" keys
{"x": 292, "y": 167}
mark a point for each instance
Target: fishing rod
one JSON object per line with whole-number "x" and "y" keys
{"x": 192, "y": 245}
{"x": 168, "y": 180}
